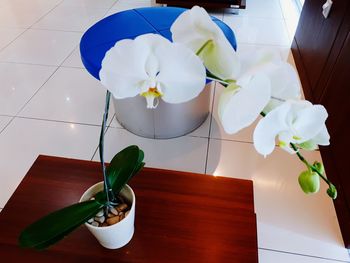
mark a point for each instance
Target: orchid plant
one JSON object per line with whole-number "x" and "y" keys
{"x": 261, "y": 84}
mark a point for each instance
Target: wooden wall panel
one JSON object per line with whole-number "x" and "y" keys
{"x": 321, "y": 49}
{"x": 315, "y": 36}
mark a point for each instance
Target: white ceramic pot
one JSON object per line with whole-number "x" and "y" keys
{"x": 119, "y": 234}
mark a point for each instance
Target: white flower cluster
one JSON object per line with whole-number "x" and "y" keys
{"x": 258, "y": 84}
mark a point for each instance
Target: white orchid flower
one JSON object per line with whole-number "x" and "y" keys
{"x": 283, "y": 77}
{"x": 196, "y": 29}
{"x": 277, "y": 82}
{"x": 153, "y": 67}
{"x": 241, "y": 103}
{"x": 295, "y": 122}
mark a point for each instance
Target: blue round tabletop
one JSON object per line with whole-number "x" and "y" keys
{"x": 102, "y": 36}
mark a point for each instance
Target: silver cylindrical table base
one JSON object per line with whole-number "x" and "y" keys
{"x": 167, "y": 120}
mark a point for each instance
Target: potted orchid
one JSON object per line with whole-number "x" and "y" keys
{"x": 175, "y": 72}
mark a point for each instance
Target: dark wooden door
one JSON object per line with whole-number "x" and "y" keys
{"x": 336, "y": 99}
{"x": 315, "y": 36}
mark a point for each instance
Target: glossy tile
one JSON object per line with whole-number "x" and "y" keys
{"x": 89, "y": 3}
{"x": 24, "y": 13}
{"x": 183, "y": 153}
{"x": 8, "y": 34}
{"x": 126, "y": 5}
{"x": 41, "y": 47}
{"x": 74, "y": 60}
{"x": 70, "y": 18}
{"x": 19, "y": 82}
{"x": 290, "y": 9}
{"x": 328, "y": 246}
{"x": 266, "y": 256}
{"x": 292, "y": 25}
{"x": 40, "y": 137}
{"x": 264, "y": 31}
{"x": 261, "y": 9}
{"x": 79, "y": 100}
{"x": 288, "y": 220}
{"x": 246, "y": 49}
{"x": 4, "y": 120}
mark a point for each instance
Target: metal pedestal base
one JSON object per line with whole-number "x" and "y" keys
{"x": 167, "y": 120}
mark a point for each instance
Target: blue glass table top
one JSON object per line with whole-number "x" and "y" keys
{"x": 102, "y": 36}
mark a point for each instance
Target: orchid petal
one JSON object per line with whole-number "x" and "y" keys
{"x": 283, "y": 77}
{"x": 244, "y": 106}
{"x": 285, "y": 85}
{"x": 269, "y": 127}
{"x": 115, "y": 73}
{"x": 309, "y": 122}
{"x": 153, "y": 67}
{"x": 258, "y": 61}
{"x": 221, "y": 59}
{"x": 181, "y": 73}
{"x": 195, "y": 28}
{"x": 322, "y": 138}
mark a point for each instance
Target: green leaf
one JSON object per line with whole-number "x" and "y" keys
{"x": 123, "y": 166}
{"x": 55, "y": 226}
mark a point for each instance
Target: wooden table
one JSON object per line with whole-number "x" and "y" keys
{"x": 180, "y": 217}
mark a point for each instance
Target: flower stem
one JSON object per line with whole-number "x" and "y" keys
{"x": 107, "y": 186}
{"x": 308, "y": 165}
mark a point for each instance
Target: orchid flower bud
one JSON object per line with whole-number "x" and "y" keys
{"x": 319, "y": 167}
{"x": 309, "y": 182}
{"x": 332, "y": 191}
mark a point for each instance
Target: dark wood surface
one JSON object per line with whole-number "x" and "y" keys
{"x": 315, "y": 36}
{"x": 206, "y": 3}
{"x": 336, "y": 100}
{"x": 321, "y": 49}
{"x": 180, "y": 217}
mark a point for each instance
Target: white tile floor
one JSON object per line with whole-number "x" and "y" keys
{"x": 50, "y": 105}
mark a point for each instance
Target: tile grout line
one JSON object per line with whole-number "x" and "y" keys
{"x": 105, "y": 14}
{"x": 30, "y": 64}
{"x": 26, "y": 103}
{"x": 33, "y": 64}
{"x": 259, "y": 44}
{"x": 31, "y": 26}
{"x": 55, "y": 30}
{"x": 3, "y": 48}
{"x": 58, "y": 67}
{"x": 210, "y": 122}
{"x": 12, "y": 118}
{"x": 303, "y": 255}
{"x": 59, "y": 121}
{"x": 70, "y": 54}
